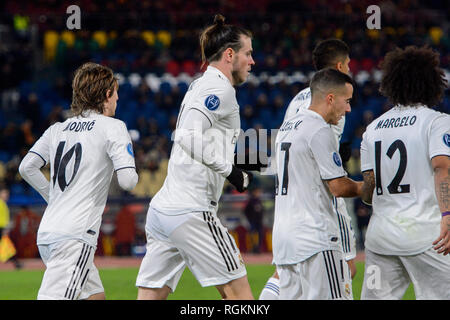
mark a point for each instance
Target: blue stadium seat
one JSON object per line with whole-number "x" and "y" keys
{"x": 17, "y": 189}
{"x": 183, "y": 86}
{"x": 165, "y": 88}
{"x": 162, "y": 118}
{"x": 5, "y": 156}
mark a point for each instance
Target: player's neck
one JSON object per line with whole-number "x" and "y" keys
{"x": 321, "y": 110}
{"x": 223, "y": 67}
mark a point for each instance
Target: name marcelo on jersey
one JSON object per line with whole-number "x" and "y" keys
{"x": 396, "y": 122}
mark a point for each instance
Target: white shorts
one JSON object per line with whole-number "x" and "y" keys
{"x": 197, "y": 240}
{"x": 70, "y": 271}
{"x": 321, "y": 277}
{"x": 388, "y": 277}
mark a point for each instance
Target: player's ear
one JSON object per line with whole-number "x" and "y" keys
{"x": 228, "y": 54}
{"x": 330, "y": 98}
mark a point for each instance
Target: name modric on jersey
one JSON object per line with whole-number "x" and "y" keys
{"x": 79, "y": 126}
{"x": 396, "y": 122}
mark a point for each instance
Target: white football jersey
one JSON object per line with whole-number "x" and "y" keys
{"x": 190, "y": 185}
{"x": 83, "y": 153}
{"x": 398, "y": 146}
{"x": 305, "y": 222}
{"x": 302, "y": 101}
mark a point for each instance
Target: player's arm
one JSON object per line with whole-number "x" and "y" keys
{"x": 191, "y": 136}
{"x": 367, "y": 170}
{"x": 324, "y": 149}
{"x": 368, "y": 186}
{"x": 30, "y": 170}
{"x": 120, "y": 150}
{"x": 127, "y": 178}
{"x": 441, "y": 168}
{"x": 344, "y": 187}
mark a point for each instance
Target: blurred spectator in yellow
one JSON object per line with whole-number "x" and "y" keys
{"x": 5, "y": 219}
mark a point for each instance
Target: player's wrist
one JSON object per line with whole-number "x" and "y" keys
{"x": 240, "y": 178}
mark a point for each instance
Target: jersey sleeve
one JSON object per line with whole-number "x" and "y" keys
{"x": 216, "y": 102}
{"x": 119, "y": 146}
{"x": 439, "y": 136}
{"x": 338, "y": 130}
{"x": 366, "y": 154}
{"x": 326, "y": 154}
{"x": 42, "y": 147}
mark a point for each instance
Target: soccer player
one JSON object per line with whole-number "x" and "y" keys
{"x": 306, "y": 239}
{"x": 406, "y": 168}
{"x": 182, "y": 225}
{"x": 83, "y": 153}
{"x": 330, "y": 53}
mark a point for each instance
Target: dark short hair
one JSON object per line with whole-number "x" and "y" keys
{"x": 412, "y": 76}
{"x": 328, "y": 52}
{"x": 329, "y": 78}
{"x": 219, "y": 36}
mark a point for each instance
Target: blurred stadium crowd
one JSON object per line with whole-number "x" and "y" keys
{"x": 153, "y": 48}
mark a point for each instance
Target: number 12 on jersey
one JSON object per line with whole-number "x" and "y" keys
{"x": 284, "y": 186}
{"x": 394, "y": 187}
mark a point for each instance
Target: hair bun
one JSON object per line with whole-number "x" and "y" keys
{"x": 219, "y": 20}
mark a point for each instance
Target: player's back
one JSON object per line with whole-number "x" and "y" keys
{"x": 81, "y": 152}
{"x": 302, "y": 100}
{"x": 399, "y": 146}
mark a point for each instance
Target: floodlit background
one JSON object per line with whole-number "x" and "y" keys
{"x": 153, "y": 48}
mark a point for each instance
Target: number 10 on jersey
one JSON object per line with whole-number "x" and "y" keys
{"x": 60, "y": 164}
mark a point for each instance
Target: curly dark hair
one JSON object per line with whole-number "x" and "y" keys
{"x": 412, "y": 76}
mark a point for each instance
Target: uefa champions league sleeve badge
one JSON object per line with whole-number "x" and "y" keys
{"x": 337, "y": 159}
{"x": 212, "y": 102}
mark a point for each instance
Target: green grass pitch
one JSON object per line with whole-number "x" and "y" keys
{"x": 119, "y": 284}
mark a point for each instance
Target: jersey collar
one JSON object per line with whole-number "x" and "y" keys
{"x": 211, "y": 69}
{"x": 313, "y": 114}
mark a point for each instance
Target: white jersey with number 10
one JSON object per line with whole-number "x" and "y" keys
{"x": 83, "y": 153}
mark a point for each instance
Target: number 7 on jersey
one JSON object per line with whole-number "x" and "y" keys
{"x": 284, "y": 186}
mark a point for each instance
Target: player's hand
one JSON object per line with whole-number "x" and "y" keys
{"x": 352, "y": 267}
{"x": 240, "y": 179}
{"x": 251, "y": 161}
{"x": 345, "y": 151}
{"x": 442, "y": 244}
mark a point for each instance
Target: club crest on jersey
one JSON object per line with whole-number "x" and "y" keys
{"x": 212, "y": 102}
{"x": 446, "y": 139}
{"x": 337, "y": 159}
{"x": 130, "y": 149}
